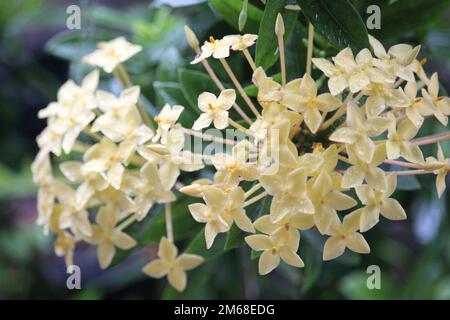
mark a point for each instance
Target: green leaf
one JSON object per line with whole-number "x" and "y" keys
{"x": 267, "y": 44}
{"x": 230, "y": 11}
{"x": 338, "y": 21}
{"x": 313, "y": 265}
{"x": 404, "y": 16}
{"x": 193, "y": 83}
{"x": 408, "y": 183}
{"x": 15, "y": 184}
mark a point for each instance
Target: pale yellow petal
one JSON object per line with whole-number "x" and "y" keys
{"x": 290, "y": 257}
{"x": 333, "y": 248}
{"x": 268, "y": 262}
{"x": 177, "y": 279}
{"x": 392, "y": 210}
{"x": 188, "y": 261}
{"x": 357, "y": 243}
{"x": 105, "y": 253}
{"x": 156, "y": 269}
{"x": 259, "y": 242}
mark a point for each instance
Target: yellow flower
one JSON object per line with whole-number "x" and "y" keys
{"x": 397, "y": 61}
{"x": 415, "y": 108}
{"x": 345, "y": 235}
{"x": 338, "y": 72}
{"x": 273, "y": 114}
{"x": 362, "y": 170}
{"x": 358, "y": 131}
{"x": 348, "y": 71}
{"x": 90, "y": 182}
{"x": 273, "y": 250}
{"x": 236, "y": 165}
{"x": 381, "y": 96}
{"x": 214, "y": 109}
{"x": 172, "y": 158}
{"x": 289, "y": 193}
{"x": 69, "y": 115}
{"x": 118, "y": 199}
{"x": 240, "y": 42}
{"x": 120, "y": 116}
{"x": 217, "y": 48}
{"x": 171, "y": 265}
{"x": 268, "y": 89}
{"x": 327, "y": 201}
{"x": 70, "y": 217}
{"x": 64, "y": 246}
{"x": 377, "y": 202}
{"x": 150, "y": 190}
{"x": 110, "y": 54}
{"x": 440, "y": 167}
{"x": 440, "y": 105}
{"x": 105, "y": 158}
{"x": 220, "y": 211}
{"x": 166, "y": 119}
{"x": 398, "y": 143}
{"x": 107, "y": 236}
{"x": 308, "y": 103}
{"x": 287, "y": 228}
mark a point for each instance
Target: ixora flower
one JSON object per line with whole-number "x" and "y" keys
{"x": 112, "y": 53}
{"x": 215, "y": 109}
{"x": 311, "y": 157}
{"x": 172, "y": 265}
{"x": 344, "y": 235}
{"x": 309, "y": 104}
{"x": 69, "y": 116}
{"x": 440, "y": 167}
{"x": 240, "y": 42}
{"x": 107, "y": 236}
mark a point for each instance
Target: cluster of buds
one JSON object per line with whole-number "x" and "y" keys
{"x": 323, "y": 160}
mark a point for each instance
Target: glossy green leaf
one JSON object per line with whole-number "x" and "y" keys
{"x": 267, "y": 44}
{"x": 230, "y": 11}
{"x": 338, "y": 21}
{"x": 408, "y": 15}
{"x": 408, "y": 183}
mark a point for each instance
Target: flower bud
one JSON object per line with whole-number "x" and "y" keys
{"x": 191, "y": 38}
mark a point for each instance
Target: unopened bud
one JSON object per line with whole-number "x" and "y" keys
{"x": 196, "y": 188}
{"x": 191, "y": 38}
{"x": 159, "y": 149}
{"x": 279, "y": 26}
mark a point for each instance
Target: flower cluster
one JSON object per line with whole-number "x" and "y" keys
{"x": 322, "y": 158}
{"x": 117, "y": 165}
{"x": 339, "y": 183}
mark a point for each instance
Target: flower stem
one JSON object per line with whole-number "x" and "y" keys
{"x": 169, "y": 223}
{"x": 254, "y": 199}
{"x": 282, "y": 59}
{"x": 252, "y": 190}
{"x": 238, "y": 126}
{"x": 239, "y": 87}
{"x": 249, "y": 58}
{"x": 125, "y": 224}
{"x": 432, "y": 139}
{"x": 124, "y": 79}
{"x": 403, "y": 164}
{"x": 207, "y": 137}
{"x": 409, "y": 172}
{"x": 310, "y": 48}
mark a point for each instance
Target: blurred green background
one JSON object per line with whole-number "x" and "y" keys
{"x": 38, "y": 53}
